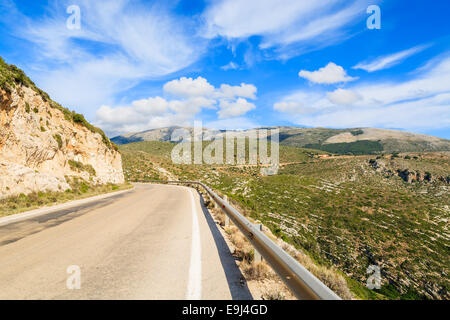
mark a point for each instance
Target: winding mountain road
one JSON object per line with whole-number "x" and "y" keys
{"x": 153, "y": 242}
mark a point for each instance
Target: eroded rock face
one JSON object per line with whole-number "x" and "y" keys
{"x": 406, "y": 174}
{"x": 38, "y": 147}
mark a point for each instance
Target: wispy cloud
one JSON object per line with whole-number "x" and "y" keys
{"x": 230, "y": 66}
{"x": 284, "y": 23}
{"x": 388, "y": 61}
{"x": 118, "y": 45}
{"x": 343, "y": 97}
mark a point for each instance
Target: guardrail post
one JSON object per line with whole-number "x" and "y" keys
{"x": 257, "y": 256}
{"x": 227, "y": 218}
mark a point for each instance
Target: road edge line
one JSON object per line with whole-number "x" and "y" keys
{"x": 194, "y": 287}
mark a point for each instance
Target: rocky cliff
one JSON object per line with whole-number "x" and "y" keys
{"x": 43, "y": 144}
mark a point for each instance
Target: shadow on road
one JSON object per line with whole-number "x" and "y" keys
{"x": 239, "y": 290}
{"x": 15, "y": 231}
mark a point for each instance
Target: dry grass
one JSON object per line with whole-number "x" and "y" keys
{"x": 330, "y": 277}
{"x": 262, "y": 280}
{"x": 273, "y": 294}
{"x": 256, "y": 270}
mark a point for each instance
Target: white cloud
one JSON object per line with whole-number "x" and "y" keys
{"x": 188, "y": 87}
{"x": 200, "y": 87}
{"x": 244, "y": 90}
{"x": 145, "y": 114}
{"x": 151, "y": 106}
{"x": 331, "y": 73}
{"x": 236, "y": 108}
{"x": 429, "y": 113}
{"x": 132, "y": 41}
{"x": 288, "y": 106}
{"x": 192, "y": 96}
{"x": 230, "y": 66}
{"x": 343, "y": 97}
{"x": 321, "y": 31}
{"x": 420, "y": 102}
{"x": 282, "y": 22}
{"x": 388, "y": 61}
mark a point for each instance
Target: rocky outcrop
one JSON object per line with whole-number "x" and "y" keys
{"x": 41, "y": 145}
{"x": 406, "y": 174}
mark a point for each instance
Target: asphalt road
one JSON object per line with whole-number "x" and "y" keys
{"x": 155, "y": 242}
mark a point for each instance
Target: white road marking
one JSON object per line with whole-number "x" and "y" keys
{"x": 194, "y": 288}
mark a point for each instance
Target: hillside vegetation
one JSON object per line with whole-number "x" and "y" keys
{"x": 345, "y": 212}
{"x": 361, "y": 140}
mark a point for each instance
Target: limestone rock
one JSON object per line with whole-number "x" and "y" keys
{"x": 39, "y": 147}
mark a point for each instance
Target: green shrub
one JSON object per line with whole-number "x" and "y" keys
{"x": 356, "y": 148}
{"x": 78, "y": 166}
{"x": 84, "y": 187}
{"x": 27, "y": 107}
{"x": 357, "y": 132}
{"x": 78, "y": 118}
{"x": 58, "y": 139}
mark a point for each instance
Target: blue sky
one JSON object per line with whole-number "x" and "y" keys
{"x": 136, "y": 65}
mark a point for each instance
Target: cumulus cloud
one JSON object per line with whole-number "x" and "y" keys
{"x": 146, "y": 114}
{"x": 420, "y": 102}
{"x": 188, "y": 87}
{"x": 189, "y": 97}
{"x": 236, "y": 108}
{"x": 343, "y": 97}
{"x": 331, "y": 73}
{"x": 388, "y": 61}
{"x": 244, "y": 90}
{"x": 151, "y": 106}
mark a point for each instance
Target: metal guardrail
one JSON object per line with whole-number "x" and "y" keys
{"x": 299, "y": 280}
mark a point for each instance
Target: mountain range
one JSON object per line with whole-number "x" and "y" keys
{"x": 339, "y": 141}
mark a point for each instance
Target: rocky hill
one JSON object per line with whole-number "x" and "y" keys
{"x": 339, "y": 141}
{"x": 43, "y": 144}
{"x": 161, "y": 134}
{"x": 361, "y": 140}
